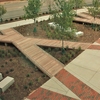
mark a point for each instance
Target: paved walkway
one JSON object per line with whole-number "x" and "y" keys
{"x": 85, "y": 18}
{"x": 40, "y": 58}
{"x": 58, "y": 43}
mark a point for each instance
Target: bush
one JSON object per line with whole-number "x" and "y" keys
{"x": 36, "y": 69}
{"x": 63, "y": 59}
{"x": 11, "y": 70}
{"x": 2, "y": 65}
{"x": 44, "y": 75}
{"x": 73, "y": 54}
{"x": 79, "y": 49}
{"x": 28, "y": 75}
{"x": 67, "y": 47}
{"x": 6, "y": 63}
{"x": 69, "y": 56}
{"x": 7, "y": 72}
{"x": 25, "y": 87}
{"x": 10, "y": 60}
{"x": 30, "y": 83}
{"x": 3, "y": 55}
{"x": 49, "y": 49}
{"x": 8, "y": 55}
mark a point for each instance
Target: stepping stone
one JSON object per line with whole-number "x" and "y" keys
{"x": 6, "y": 83}
{"x": 1, "y": 76}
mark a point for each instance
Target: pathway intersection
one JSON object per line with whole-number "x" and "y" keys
{"x": 60, "y": 76}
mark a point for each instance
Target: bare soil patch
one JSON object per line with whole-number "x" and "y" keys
{"x": 27, "y": 76}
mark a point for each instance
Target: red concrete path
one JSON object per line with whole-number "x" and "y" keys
{"x": 43, "y": 94}
{"x": 83, "y": 91}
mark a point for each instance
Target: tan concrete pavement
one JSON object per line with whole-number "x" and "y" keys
{"x": 86, "y": 67}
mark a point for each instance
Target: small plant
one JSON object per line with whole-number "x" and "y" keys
{"x": 56, "y": 49}
{"x": 36, "y": 69}
{"x": 30, "y": 83}
{"x": 49, "y": 50}
{"x": 7, "y": 72}
{"x": 79, "y": 49}
{"x": 67, "y": 47}
{"x": 63, "y": 59}
{"x": 28, "y": 75}
{"x": 3, "y": 55}
{"x": 25, "y": 87}
{"x": 11, "y": 70}
{"x": 36, "y": 79}
{"x": 73, "y": 53}
{"x": 69, "y": 56}
{"x": 6, "y": 63}
{"x": 43, "y": 75}
{"x": 10, "y": 60}
{"x": 9, "y": 55}
{"x": 2, "y": 65}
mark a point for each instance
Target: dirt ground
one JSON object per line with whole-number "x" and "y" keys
{"x": 27, "y": 76}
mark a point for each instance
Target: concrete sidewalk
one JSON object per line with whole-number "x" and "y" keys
{"x": 22, "y": 22}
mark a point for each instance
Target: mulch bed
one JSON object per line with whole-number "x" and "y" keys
{"x": 27, "y": 76}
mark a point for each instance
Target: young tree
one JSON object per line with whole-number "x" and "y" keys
{"x": 79, "y": 3}
{"x": 64, "y": 19}
{"x": 32, "y": 10}
{"x": 2, "y": 11}
{"x": 95, "y": 9}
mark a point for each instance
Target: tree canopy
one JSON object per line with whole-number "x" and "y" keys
{"x": 65, "y": 18}
{"x": 95, "y": 9}
{"x": 32, "y": 9}
{"x": 2, "y": 10}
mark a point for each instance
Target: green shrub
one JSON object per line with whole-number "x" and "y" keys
{"x": 6, "y": 63}
{"x": 10, "y": 60}
{"x": 56, "y": 49}
{"x": 69, "y": 56}
{"x": 63, "y": 59}
{"x": 9, "y": 55}
{"x": 7, "y": 72}
{"x": 11, "y": 70}
{"x": 73, "y": 54}
{"x": 2, "y": 65}
{"x": 30, "y": 83}
{"x": 44, "y": 75}
{"x": 36, "y": 69}
{"x": 67, "y": 47}
{"x": 79, "y": 49}
{"x": 49, "y": 49}
{"x": 28, "y": 75}
{"x": 3, "y": 55}
{"x": 25, "y": 87}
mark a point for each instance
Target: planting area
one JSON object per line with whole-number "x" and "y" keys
{"x": 64, "y": 56}
{"x": 27, "y": 76}
{"x": 44, "y": 31}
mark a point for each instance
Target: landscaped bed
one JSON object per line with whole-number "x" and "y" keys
{"x": 27, "y": 76}
{"x": 63, "y": 55}
{"x": 44, "y": 31}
